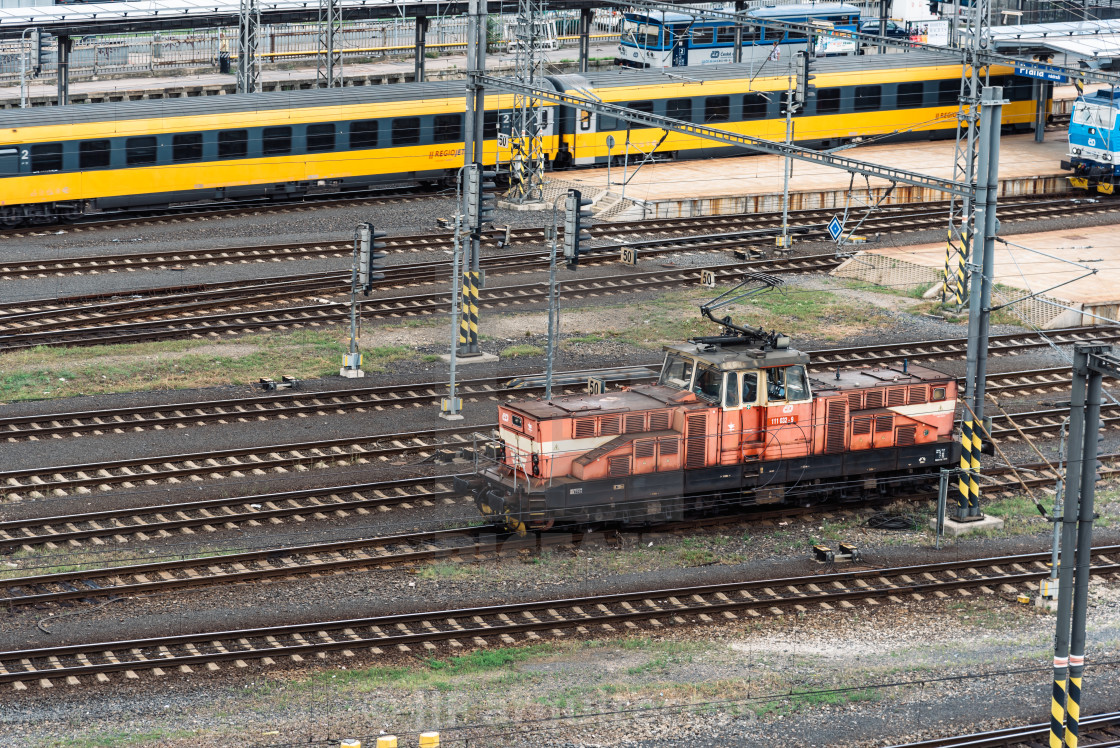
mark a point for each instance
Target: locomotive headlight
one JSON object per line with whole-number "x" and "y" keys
{"x": 1107, "y": 156}
{"x": 1075, "y": 151}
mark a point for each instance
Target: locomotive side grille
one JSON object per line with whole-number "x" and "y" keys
{"x": 917, "y": 395}
{"x": 874, "y": 399}
{"x": 618, "y": 466}
{"x": 896, "y": 396}
{"x": 834, "y": 427}
{"x": 855, "y": 400}
{"x": 883, "y": 424}
{"x": 644, "y": 448}
{"x": 694, "y": 444}
{"x": 905, "y": 436}
{"x": 861, "y": 426}
{"x": 608, "y": 426}
{"x": 670, "y": 446}
{"x": 635, "y": 423}
{"x": 659, "y": 421}
{"x": 584, "y": 428}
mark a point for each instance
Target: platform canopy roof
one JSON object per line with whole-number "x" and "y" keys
{"x": 160, "y": 15}
{"x": 1084, "y": 40}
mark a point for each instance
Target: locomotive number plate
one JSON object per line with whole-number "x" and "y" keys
{"x": 781, "y": 420}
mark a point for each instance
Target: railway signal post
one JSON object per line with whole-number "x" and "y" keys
{"x": 1091, "y": 363}
{"x": 367, "y": 268}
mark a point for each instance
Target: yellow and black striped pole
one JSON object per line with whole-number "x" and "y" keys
{"x": 468, "y": 321}
{"x": 967, "y": 484}
{"x": 1073, "y": 700}
{"x": 1058, "y": 704}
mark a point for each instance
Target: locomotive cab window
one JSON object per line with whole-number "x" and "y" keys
{"x": 750, "y": 388}
{"x": 46, "y": 157}
{"x": 731, "y": 390}
{"x": 786, "y": 383}
{"x": 677, "y": 373}
{"x": 708, "y": 384}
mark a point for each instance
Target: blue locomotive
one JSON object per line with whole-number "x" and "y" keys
{"x": 1094, "y": 142}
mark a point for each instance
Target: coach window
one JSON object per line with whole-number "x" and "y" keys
{"x": 717, "y": 109}
{"x": 828, "y": 100}
{"x": 94, "y": 154}
{"x": 233, "y": 143}
{"x": 703, "y": 36}
{"x": 607, "y": 122}
{"x": 276, "y": 140}
{"x": 448, "y": 128}
{"x": 406, "y": 131}
{"x": 725, "y": 35}
{"x": 489, "y": 125}
{"x": 186, "y": 147}
{"x": 320, "y": 138}
{"x": 46, "y": 157}
{"x": 868, "y": 98}
{"x": 679, "y": 109}
{"x": 731, "y": 389}
{"x": 948, "y": 92}
{"x": 755, "y": 106}
{"x": 140, "y": 151}
{"x": 363, "y": 134}
{"x": 910, "y": 95}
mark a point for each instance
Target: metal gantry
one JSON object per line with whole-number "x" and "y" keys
{"x": 248, "y": 61}
{"x": 527, "y": 158}
{"x": 329, "y": 59}
{"x": 977, "y": 22}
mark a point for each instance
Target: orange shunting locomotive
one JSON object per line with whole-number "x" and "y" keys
{"x": 734, "y": 420}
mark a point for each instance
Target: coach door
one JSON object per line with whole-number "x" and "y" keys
{"x": 788, "y": 412}
{"x": 741, "y": 437}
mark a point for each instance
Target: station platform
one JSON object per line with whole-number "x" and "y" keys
{"x": 1075, "y": 271}
{"x": 208, "y": 83}
{"x": 753, "y": 184}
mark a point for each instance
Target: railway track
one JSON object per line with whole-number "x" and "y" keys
{"x": 392, "y": 308}
{"x": 525, "y": 622}
{"x": 1096, "y": 731}
{"x": 270, "y": 406}
{"x": 811, "y": 224}
{"x": 318, "y": 558}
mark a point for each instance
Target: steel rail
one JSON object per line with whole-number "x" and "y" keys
{"x": 606, "y": 613}
{"x": 271, "y": 406}
{"x": 1010, "y": 207}
{"x": 1027, "y": 735}
{"x": 398, "y": 307}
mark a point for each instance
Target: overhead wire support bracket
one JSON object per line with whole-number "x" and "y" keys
{"x": 647, "y": 119}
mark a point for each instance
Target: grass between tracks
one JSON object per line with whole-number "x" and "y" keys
{"x": 673, "y": 317}
{"x": 45, "y": 373}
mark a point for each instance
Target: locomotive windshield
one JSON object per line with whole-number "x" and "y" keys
{"x": 677, "y": 372}
{"x": 1094, "y": 115}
